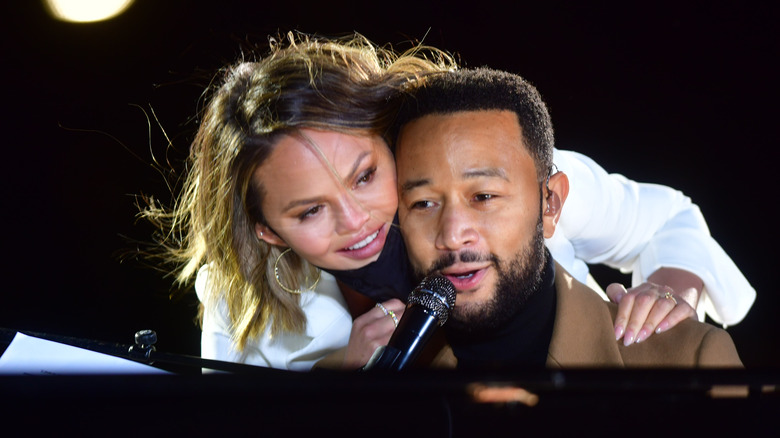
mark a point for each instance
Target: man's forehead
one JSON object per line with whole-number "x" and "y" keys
{"x": 483, "y": 115}
{"x": 448, "y": 129}
{"x": 484, "y": 136}
{"x": 442, "y": 166}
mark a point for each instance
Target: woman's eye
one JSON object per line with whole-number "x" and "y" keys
{"x": 310, "y": 212}
{"x": 366, "y": 176}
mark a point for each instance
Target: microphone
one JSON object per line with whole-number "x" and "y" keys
{"x": 427, "y": 309}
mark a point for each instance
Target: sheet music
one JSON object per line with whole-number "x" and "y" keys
{"x": 28, "y": 355}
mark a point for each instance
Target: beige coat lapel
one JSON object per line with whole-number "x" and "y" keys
{"x": 583, "y": 334}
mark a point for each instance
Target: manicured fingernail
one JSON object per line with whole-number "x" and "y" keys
{"x": 642, "y": 336}
{"x": 662, "y": 327}
{"x": 618, "y": 332}
{"x": 628, "y": 339}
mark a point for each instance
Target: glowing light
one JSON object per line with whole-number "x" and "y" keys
{"x": 497, "y": 393}
{"x": 86, "y": 11}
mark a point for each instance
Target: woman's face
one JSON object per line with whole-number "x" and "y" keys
{"x": 330, "y": 196}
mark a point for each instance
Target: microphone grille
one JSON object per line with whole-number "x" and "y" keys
{"x": 436, "y": 294}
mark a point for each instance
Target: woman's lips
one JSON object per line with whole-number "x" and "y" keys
{"x": 367, "y": 246}
{"x": 364, "y": 242}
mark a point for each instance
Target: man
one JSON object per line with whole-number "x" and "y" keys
{"x": 478, "y": 195}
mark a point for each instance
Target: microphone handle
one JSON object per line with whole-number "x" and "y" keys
{"x": 413, "y": 332}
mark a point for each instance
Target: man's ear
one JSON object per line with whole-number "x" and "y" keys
{"x": 267, "y": 235}
{"x": 554, "y": 197}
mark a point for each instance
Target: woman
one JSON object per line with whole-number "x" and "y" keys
{"x": 290, "y": 173}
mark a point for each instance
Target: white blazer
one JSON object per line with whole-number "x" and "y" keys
{"x": 639, "y": 228}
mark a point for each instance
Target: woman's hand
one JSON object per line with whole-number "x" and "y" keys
{"x": 372, "y": 330}
{"x": 645, "y": 309}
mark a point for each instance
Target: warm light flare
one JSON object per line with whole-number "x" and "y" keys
{"x": 86, "y": 11}
{"x": 496, "y": 393}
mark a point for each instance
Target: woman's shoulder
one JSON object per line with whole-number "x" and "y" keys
{"x": 202, "y": 282}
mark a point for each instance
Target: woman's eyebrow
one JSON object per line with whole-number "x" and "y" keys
{"x": 355, "y": 166}
{"x": 298, "y": 202}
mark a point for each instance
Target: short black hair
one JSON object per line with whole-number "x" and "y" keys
{"x": 480, "y": 89}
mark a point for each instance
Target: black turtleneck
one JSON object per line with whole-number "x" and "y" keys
{"x": 389, "y": 277}
{"x": 522, "y": 342}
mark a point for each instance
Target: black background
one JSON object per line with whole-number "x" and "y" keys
{"x": 682, "y": 94}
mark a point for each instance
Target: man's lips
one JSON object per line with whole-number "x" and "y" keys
{"x": 465, "y": 278}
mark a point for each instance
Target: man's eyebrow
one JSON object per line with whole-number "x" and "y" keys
{"x": 355, "y": 166}
{"x": 413, "y": 184}
{"x": 490, "y": 172}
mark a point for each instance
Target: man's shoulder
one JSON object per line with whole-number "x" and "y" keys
{"x": 690, "y": 343}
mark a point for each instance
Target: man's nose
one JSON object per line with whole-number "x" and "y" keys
{"x": 456, "y": 229}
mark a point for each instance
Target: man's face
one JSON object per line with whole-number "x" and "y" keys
{"x": 470, "y": 205}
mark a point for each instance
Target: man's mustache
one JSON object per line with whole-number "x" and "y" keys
{"x": 465, "y": 256}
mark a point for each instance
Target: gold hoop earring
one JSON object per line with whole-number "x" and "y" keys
{"x": 287, "y": 289}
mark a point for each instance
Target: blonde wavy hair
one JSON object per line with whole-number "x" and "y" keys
{"x": 338, "y": 84}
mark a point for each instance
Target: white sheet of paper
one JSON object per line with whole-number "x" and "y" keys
{"x": 28, "y": 355}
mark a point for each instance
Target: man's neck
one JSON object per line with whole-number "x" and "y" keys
{"x": 523, "y": 341}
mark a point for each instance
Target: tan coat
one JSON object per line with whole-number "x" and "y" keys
{"x": 583, "y": 336}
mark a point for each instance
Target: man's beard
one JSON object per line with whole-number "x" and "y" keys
{"x": 518, "y": 280}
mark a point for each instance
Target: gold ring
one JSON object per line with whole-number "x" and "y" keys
{"x": 392, "y": 315}
{"x": 668, "y": 295}
{"x": 389, "y": 313}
